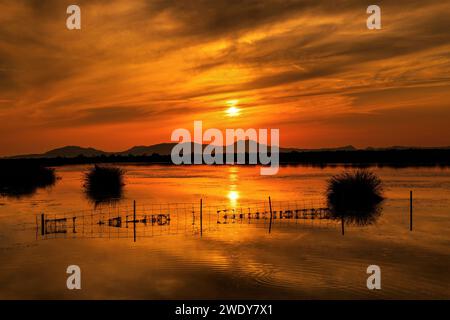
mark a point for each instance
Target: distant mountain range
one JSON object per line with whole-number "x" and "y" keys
{"x": 166, "y": 148}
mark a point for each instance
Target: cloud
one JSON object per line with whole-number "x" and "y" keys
{"x": 165, "y": 62}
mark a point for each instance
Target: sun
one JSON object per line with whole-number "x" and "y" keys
{"x": 232, "y": 110}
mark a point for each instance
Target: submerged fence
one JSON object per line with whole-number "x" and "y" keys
{"x": 147, "y": 220}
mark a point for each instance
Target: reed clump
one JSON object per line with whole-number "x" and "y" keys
{"x": 104, "y": 183}
{"x": 18, "y": 179}
{"x": 355, "y": 196}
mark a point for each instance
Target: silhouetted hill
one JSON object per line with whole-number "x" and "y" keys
{"x": 65, "y": 152}
{"x": 164, "y": 150}
{"x": 161, "y": 149}
{"x": 344, "y": 148}
{"x": 74, "y": 151}
{"x": 405, "y": 148}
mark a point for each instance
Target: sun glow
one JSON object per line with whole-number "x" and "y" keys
{"x": 232, "y": 110}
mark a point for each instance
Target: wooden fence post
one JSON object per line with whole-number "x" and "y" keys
{"x": 410, "y": 210}
{"x": 271, "y": 215}
{"x": 42, "y": 224}
{"x": 134, "y": 219}
{"x": 201, "y": 217}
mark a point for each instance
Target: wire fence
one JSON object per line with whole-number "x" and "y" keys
{"x": 147, "y": 220}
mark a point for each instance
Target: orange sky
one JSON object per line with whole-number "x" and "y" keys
{"x": 137, "y": 70}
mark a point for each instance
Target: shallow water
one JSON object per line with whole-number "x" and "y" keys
{"x": 298, "y": 259}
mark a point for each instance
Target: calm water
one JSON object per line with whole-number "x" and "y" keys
{"x": 301, "y": 259}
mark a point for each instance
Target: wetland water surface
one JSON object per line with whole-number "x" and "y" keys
{"x": 301, "y": 259}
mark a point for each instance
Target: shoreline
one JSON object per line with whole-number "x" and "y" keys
{"x": 355, "y": 158}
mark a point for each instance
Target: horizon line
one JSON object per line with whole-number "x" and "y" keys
{"x": 224, "y": 145}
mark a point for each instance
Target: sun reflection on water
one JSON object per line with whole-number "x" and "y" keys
{"x": 233, "y": 194}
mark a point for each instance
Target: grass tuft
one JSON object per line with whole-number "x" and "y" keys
{"x": 355, "y": 196}
{"x": 104, "y": 183}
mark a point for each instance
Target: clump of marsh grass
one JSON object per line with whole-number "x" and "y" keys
{"x": 19, "y": 179}
{"x": 355, "y": 197}
{"x": 104, "y": 183}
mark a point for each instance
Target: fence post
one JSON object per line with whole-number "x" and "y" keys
{"x": 134, "y": 219}
{"x": 42, "y": 224}
{"x": 271, "y": 214}
{"x": 73, "y": 224}
{"x": 201, "y": 217}
{"x": 410, "y": 210}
